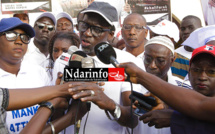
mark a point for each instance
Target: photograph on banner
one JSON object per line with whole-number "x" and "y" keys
{"x": 153, "y": 10}
{"x": 208, "y": 7}
{"x": 73, "y": 7}
{"x": 25, "y": 6}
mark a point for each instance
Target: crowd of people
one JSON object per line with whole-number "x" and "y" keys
{"x": 34, "y": 99}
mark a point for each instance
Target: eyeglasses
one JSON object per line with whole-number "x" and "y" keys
{"x": 137, "y": 27}
{"x": 12, "y": 36}
{"x": 158, "y": 61}
{"x": 197, "y": 71}
{"x": 96, "y": 31}
{"x": 42, "y": 26}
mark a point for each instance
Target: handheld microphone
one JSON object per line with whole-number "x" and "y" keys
{"x": 107, "y": 55}
{"x": 87, "y": 62}
{"x": 75, "y": 61}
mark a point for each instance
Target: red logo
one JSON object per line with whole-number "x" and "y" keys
{"x": 116, "y": 74}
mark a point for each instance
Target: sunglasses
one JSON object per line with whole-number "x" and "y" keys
{"x": 42, "y": 26}
{"x": 12, "y": 36}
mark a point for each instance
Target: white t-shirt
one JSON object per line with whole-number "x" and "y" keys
{"x": 29, "y": 76}
{"x": 34, "y": 56}
{"x": 183, "y": 52}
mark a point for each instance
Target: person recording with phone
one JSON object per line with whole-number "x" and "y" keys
{"x": 195, "y": 109}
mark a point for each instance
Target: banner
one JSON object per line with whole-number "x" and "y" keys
{"x": 73, "y": 7}
{"x": 153, "y": 10}
{"x": 25, "y": 6}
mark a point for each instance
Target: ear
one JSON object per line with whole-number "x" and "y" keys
{"x": 146, "y": 33}
{"x": 77, "y": 27}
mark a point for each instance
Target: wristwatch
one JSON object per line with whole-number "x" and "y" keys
{"x": 48, "y": 105}
{"x": 117, "y": 113}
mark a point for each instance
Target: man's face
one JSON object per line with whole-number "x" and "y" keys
{"x": 88, "y": 40}
{"x": 187, "y": 27}
{"x": 202, "y": 74}
{"x": 64, "y": 25}
{"x": 157, "y": 60}
{"x": 134, "y": 38}
{"x": 23, "y": 17}
{"x": 44, "y": 29}
{"x": 12, "y": 51}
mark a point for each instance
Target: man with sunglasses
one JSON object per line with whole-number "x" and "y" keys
{"x": 110, "y": 109}
{"x": 38, "y": 52}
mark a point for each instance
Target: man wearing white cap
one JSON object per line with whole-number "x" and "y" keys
{"x": 64, "y": 22}
{"x": 159, "y": 55}
{"x": 38, "y": 53}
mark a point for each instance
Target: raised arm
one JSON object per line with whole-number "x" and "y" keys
{"x": 184, "y": 100}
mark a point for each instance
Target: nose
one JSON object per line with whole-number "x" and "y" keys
{"x": 132, "y": 31}
{"x": 88, "y": 32}
{"x": 63, "y": 27}
{"x": 153, "y": 65}
{"x": 18, "y": 41}
{"x": 203, "y": 76}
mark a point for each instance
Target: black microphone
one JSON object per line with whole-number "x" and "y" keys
{"x": 107, "y": 55}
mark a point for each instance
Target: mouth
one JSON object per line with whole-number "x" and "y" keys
{"x": 18, "y": 50}
{"x": 132, "y": 39}
{"x": 186, "y": 36}
{"x": 200, "y": 85}
{"x": 44, "y": 36}
{"x": 85, "y": 43}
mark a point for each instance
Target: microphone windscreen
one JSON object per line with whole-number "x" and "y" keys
{"x": 72, "y": 49}
{"x": 87, "y": 62}
{"x": 75, "y": 59}
{"x": 104, "y": 52}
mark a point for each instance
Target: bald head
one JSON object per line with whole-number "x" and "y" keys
{"x": 135, "y": 15}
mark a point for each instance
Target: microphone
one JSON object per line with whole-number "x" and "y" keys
{"x": 74, "y": 61}
{"x": 87, "y": 62}
{"x": 106, "y": 53}
{"x": 61, "y": 62}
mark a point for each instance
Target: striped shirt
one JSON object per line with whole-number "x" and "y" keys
{"x": 180, "y": 66}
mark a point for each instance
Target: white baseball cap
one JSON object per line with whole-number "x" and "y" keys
{"x": 166, "y": 27}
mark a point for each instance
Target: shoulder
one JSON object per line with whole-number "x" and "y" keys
{"x": 182, "y": 83}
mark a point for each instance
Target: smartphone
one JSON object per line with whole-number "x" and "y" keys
{"x": 148, "y": 99}
{"x": 139, "y": 111}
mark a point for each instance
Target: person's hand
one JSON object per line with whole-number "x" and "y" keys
{"x": 212, "y": 3}
{"x": 132, "y": 70}
{"x": 160, "y": 103}
{"x": 157, "y": 118}
{"x": 59, "y": 77}
{"x": 88, "y": 91}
